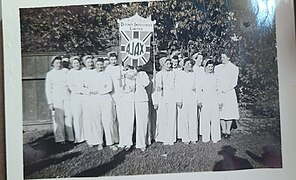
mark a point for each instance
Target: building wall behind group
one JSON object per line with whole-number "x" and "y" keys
{"x": 34, "y": 69}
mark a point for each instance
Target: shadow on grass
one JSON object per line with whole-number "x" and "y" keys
{"x": 37, "y": 153}
{"x": 106, "y": 167}
{"x": 230, "y": 161}
{"x": 47, "y": 145}
{"x": 271, "y": 157}
{"x": 30, "y": 169}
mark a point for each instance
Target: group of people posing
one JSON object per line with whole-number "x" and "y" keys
{"x": 99, "y": 101}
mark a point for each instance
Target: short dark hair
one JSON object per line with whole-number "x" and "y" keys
{"x": 175, "y": 57}
{"x": 65, "y": 56}
{"x": 113, "y": 55}
{"x": 55, "y": 58}
{"x": 187, "y": 59}
{"x": 209, "y": 61}
{"x": 99, "y": 59}
{"x": 226, "y": 51}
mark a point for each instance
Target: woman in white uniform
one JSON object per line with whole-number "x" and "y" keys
{"x": 198, "y": 69}
{"x": 92, "y": 128}
{"x": 106, "y": 62}
{"x": 165, "y": 102}
{"x": 58, "y": 98}
{"x": 188, "y": 122}
{"x": 211, "y": 104}
{"x": 177, "y": 70}
{"x": 115, "y": 71}
{"x": 103, "y": 106}
{"x": 198, "y": 58}
{"x": 75, "y": 83}
{"x": 134, "y": 105}
{"x": 228, "y": 76}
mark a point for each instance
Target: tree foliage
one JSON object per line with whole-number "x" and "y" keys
{"x": 88, "y": 29}
{"x": 192, "y": 25}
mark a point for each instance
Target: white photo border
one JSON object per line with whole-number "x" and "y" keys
{"x": 286, "y": 46}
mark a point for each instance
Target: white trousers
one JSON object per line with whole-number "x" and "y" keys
{"x": 92, "y": 127}
{"x": 62, "y": 121}
{"x": 166, "y": 123}
{"x": 105, "y": 114}
{"x": 210, "y": 122}
{"x": 151, "y": 123}
{"x": 130, "y": 111}
{"x": 100, "y": 119}
{"x": 188, "y": 122}
{"x": 178, "y": 115}
{"x": 76, "y": 109}
{"x": 117, "y": 115}
{"x": 199, "y": 117}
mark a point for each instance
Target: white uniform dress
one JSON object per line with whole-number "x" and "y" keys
{"x": 58, "y": 94}
{"x": 210, "y": 98}
{"x": 198, "y": 70}
{"x": 228, "y": 76}
{"x": 103, "y": 106}
{"x": 188, "y": 122}
{"x": 75, "y": 83}
{"x": 177, "y": 72}
{"x": 166, "y": 100}
{"x": 135, "y": 104}
{"x": 92, "y": 127}
{"x": 116, "y": 72}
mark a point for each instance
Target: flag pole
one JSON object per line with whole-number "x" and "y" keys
{"x": 153, "y": 60}
{"x": 119, "y": 59}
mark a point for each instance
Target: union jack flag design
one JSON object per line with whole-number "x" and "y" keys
{"x": 135, "y": 47}
{"x": 135, "y": 36}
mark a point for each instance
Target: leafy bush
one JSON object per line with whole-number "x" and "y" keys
{"x": 191, "y": 25}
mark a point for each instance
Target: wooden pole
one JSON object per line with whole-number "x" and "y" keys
{"x": 153, "y": 60}
{"x": 119, "y": 60}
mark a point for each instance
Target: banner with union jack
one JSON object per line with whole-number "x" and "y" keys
{"x": 135, "y": 35}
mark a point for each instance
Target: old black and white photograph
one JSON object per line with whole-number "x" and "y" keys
{"x": 149, "y": 87}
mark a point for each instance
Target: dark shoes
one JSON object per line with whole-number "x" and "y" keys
{"x": 225, "y": 136}
{"x": 61, "y": 143}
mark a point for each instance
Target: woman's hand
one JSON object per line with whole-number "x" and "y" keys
{"x": 158, "y": 89}
{"x": 51, "y": 107}
{"x": 220, "y": 106}
{"x": 179, "y": 104}
{"x": 130, "y": 77}
{"x": 199, "y": 105}
{"x": 94, "y": 92}
{"x": 155, "y": 106}
{"x": 132, "y": 88}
